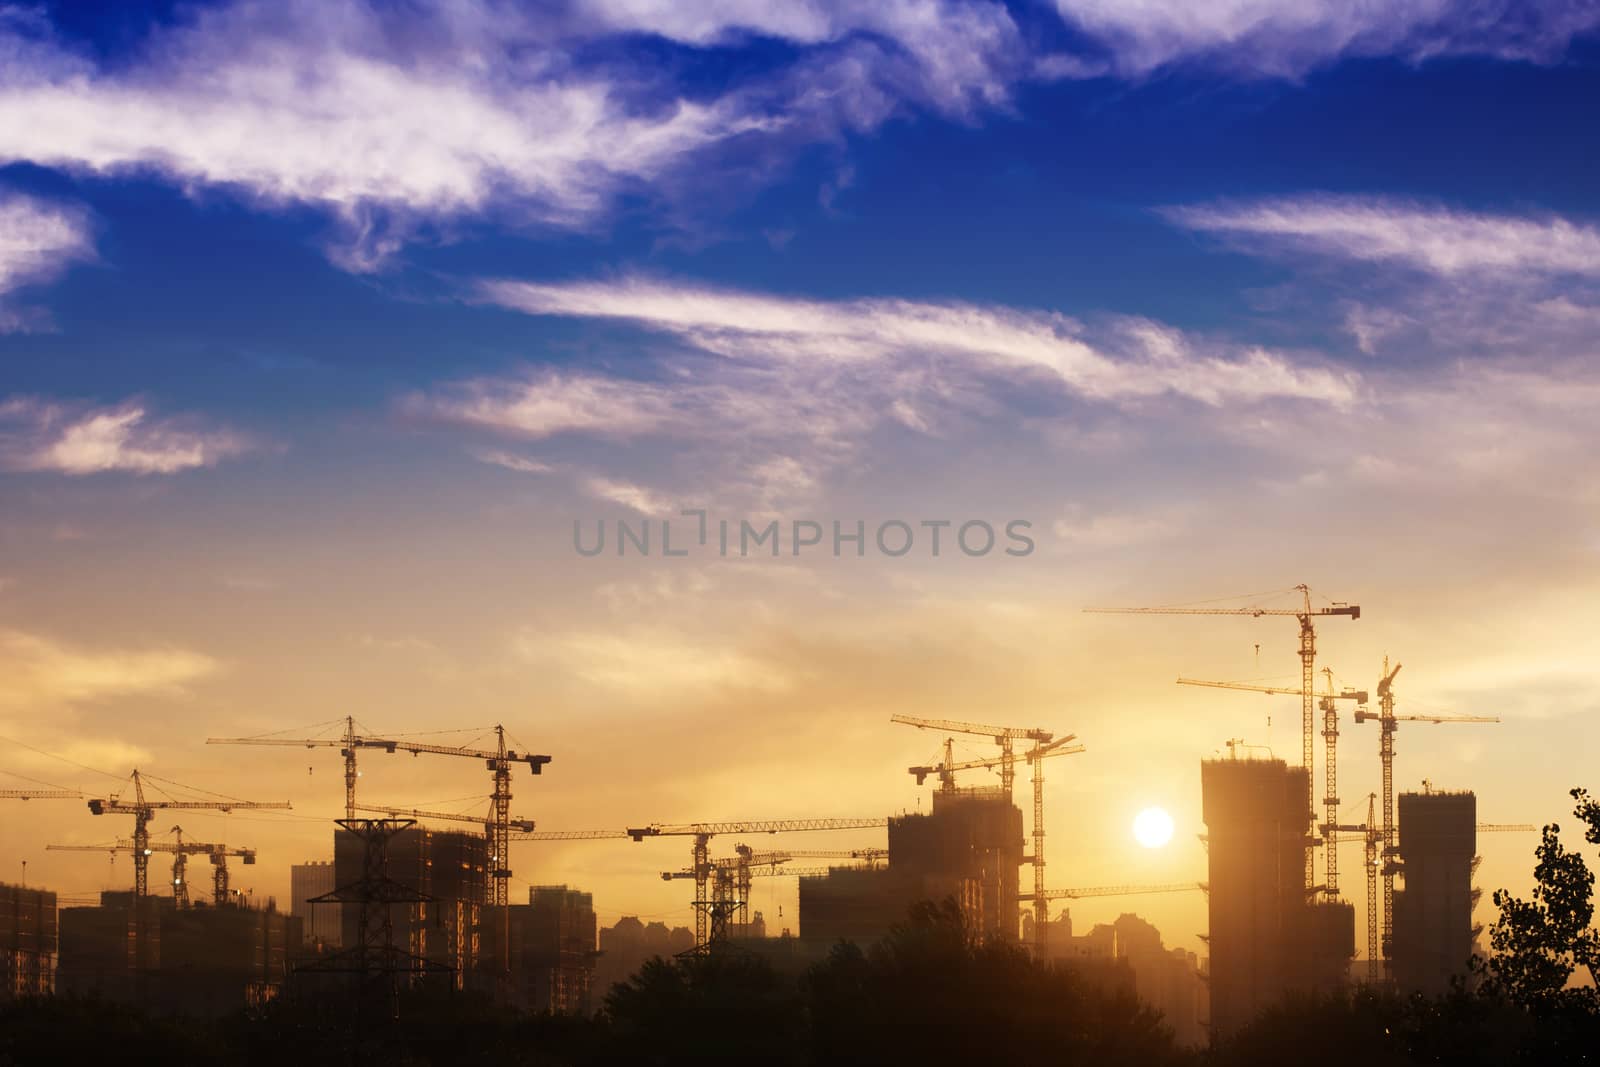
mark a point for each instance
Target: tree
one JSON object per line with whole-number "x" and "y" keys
{"x": 726, "y": 1007}
{"x": 1540, "y": 942}
{"x": 925, "y": 994}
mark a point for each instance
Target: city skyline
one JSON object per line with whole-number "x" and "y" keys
{"x": 302, "y": 394}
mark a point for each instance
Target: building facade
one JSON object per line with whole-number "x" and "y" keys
{"x": 321, "y": 922}
{"x": 1433, "y": 931}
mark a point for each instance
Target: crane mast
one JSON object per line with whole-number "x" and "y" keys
{"x": 144, "y": 809}
{"x": 730, "y": 875}
{"x": 1370, "y": 833}
{"x": 1330, "y": 750}
{"x": 1306, "y": 616}
{"x": 711, "y": 913}
{"x": 1388, "y": 722}
{"x": 498, "y": 760}
{"x": 1045, "y": 744}
{"x": 180, "y": 850}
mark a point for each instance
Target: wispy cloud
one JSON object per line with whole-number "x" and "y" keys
{"x": 1429, "y": 238}
{"x": 1427, "y": 279}
{"x": 1287, "y": 38}
{"x": 511, "y": 461}
{"x": 40, "y": 435}
{"x": 38, "y": 240}
{"x": 643, "y": 662}
{"x": 395, "y": 118}
{"x": 40, "y": 671}
{"x": 398, "y": 120}
{"x": 629, "y": 496}
{"x": 546, "y": 404}
{"x": 762, "y": 400}
{"x": 1123, "y": 360}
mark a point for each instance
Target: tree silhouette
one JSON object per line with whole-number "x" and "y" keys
{"x": 925, "y": 994}
{"x": 721, "y": 1008}
{"x": 1540, "y": 942}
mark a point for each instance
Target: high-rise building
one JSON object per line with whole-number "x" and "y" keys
{"x": 968, "y": 849}
{"x": 321, "y": 921}
{"x": 553, "y": 950}
{"x": 1265, "y": 939}
{"x": 27, "y": 941}
{"x": 203, "y": 960}
{"x": 451, "y": 868}
{"x": 1433, "y": 931}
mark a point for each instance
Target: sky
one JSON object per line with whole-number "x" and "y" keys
{"x": 322, "y": 326}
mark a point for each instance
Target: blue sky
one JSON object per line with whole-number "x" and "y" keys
{"x": 319, "y": 323}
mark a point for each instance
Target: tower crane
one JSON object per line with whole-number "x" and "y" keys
{"x": 575, "y": 835}
{"x": 1330, "y": 752}
{"x": 706, "y": 910}
{"x": 1306, "y": 616}
{"x": 745, "y": 860}
{"x": 346, "y": 744}
{"x": 143, "y": 809}
{"x": 947, "y": 767}
{"x": 730, "y": 877}
{"x": 181, "y": 850}
{"x": 499, "y": 761}
{"x": 1388, "y": 722}
{"x": 1371, "y": 834}
{"x": 1044, "y": 744}
{"x": 731, "y": 895}
{"x": 1004, "y": 736}
{"x": 40, "y": 794}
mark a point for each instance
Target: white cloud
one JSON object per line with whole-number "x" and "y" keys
{"x": 1426, "y": 280}
{"x": 629, "y": 496}
{"x": 396, "y": 117}
{"x": 1127, "y": 360}
{"x": 1287, "y": 38}
{"x": 37, "y": 435}
{"x": 1432, "y": 239}
{"x": 38, "y": 240}
{"x": 764, "y": 401}
{"x": 399, "y": 119}
{"x": 546, "y": 404}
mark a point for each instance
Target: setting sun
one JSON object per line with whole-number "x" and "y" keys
{"x": 1152, "y": 827}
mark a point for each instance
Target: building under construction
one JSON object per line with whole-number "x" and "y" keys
{"x": 201, "y": 960}
{"x": 27, "y": 942}
{"x": 1266, "y": 937}
{"x": 321, "y": 921}
{"x": 450, "y": 868}
{"x": 1433, "y": 931}
{"x": 968, "y": 848}
{"x": 553, "y": 951}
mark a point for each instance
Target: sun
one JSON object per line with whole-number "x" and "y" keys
{"x": 1152, "y": 827}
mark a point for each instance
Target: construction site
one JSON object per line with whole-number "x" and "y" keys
{"x": 402, "y": 900}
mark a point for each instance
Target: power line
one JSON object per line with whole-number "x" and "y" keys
{"x": 63, "y": 759}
